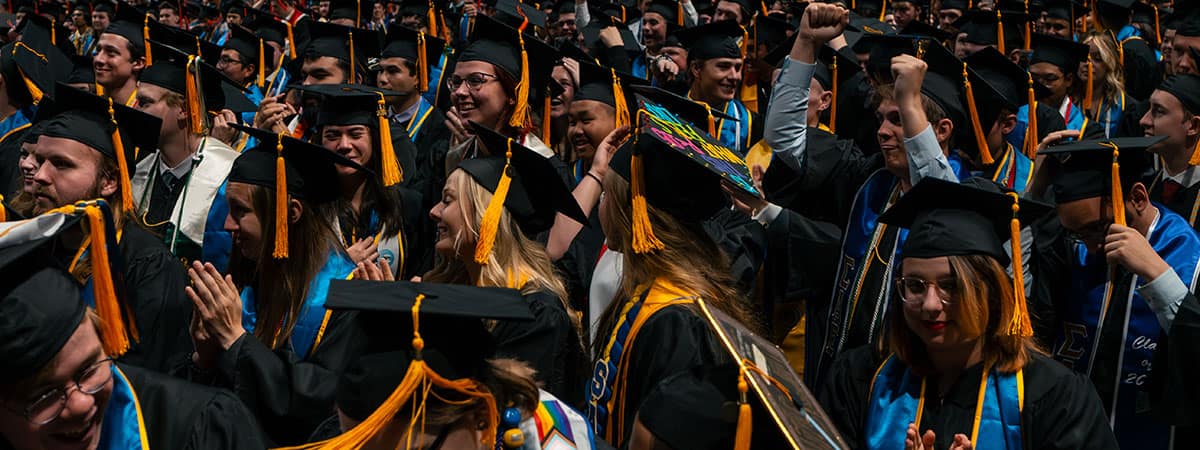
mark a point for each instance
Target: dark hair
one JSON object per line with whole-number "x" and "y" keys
{"x": 387, "y": 203}
{"x": 341, "y": 64}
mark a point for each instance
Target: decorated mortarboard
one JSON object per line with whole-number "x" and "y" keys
{"x": 696, "y": 113}
{"x": 757, "y": 401}
{"x": 1007, "y": 30}
{"x": 116, "y": 131}
{"x": 42, "y": 303}
{"x": 253, "y": 49}
{"x": 347, "y": 104}
{"x": 722, "y": 39}
{"x": 522, "y": 182}
{"x": 416, "y": 47}
{"x": 1063, "y": 53}
{"x": 423, "y": 339}
{"x": 976, "y": 217}
{"x": 30, "y": 71}
{"x": 203, "y": 86}
{"x": 1102, "y": 168}
{"x": 521, "y": 56}
{"x": 670, "y": 10}
{"x": 1015, "y": 86}
{"x": 607, "y": 86}
{"x": 514, "y": 12}
{"x": 287, "y": 166}
{"x": 770, "y": 31}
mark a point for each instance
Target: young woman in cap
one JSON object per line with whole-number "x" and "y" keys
{"x": 1103, "y": 82}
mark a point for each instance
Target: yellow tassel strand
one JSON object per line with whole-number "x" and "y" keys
{"x": 1157, "y": 30}
{"x": 418, "y": 382}
{"x": 833, "y": 105}
{"x": 1087, "y": 96}
{"x": 197, "y": 115}
{"x": 353, "y": 67}
{"x": 114, "y": 336}
{"x": 281, "y": 203}
{"x": 1031, "y": 133}
{"x": 262, "y": 64}
{"x": 679, "y": 14}
{"x": 1118, "y": 197}
{"x": 3, "y": 210}
{"x": 422, "y": 64}
{"x": 432, "y": 18}
{"x": 122, "y": 165}
{"x": 985, "y": 153}
{"x": 392, "y": 172}
{"x": 291, "y": 39}
{"x": 1018, "y": 324}
{"x": 644, "y": 240}
{"x": 745, "y": 423}
{"x": 490, "y": 223}
{"x": 546, "y": 118}
{"x": 745, "y": 42}
{"x": 34, "y": 92}
{"x": 146, "y": 39}
{"x": 619, "y": 102}
{"x": 1028, "y": 30}
{"x": 1000, "y": 33}
{"x": 520, "y": 116}
{"x": 1195, "y": 159}
{"x": 883, "y": 11}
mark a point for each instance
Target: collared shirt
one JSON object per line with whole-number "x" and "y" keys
{"x": 1187, "y": 178}
{"x": 404, "y": 116}
{"x": 180, "y": 170}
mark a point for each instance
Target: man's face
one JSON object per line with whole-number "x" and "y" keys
{"x": 322, "y": 70}
{"x": 100, "y": 21}
{"x": 67, "y": 172}
{"x": 1166, "y": 117}
{"x": 233, "y": 18}
{"x": 1182, "y": 48}
{"x": 1086, "y": 221}
{"x": 891, "y": 137}
{"x": 727, "y": 10}
{"x": 151, "y": 100}
{"x": 904, "y": 12}
{"x": 678, "y": 55}
{"x": 113, "y": 63}
{"x": 654, "y": 30}
{"x": 947, "y": 17}
{"x": 1057, "y": 27}
{"x": 323, "y": 8}
{"x": 234, "y": 66}
{"x": 565, "y": 26}
{"x": 1053, "y": 78}
{"x": 79, "y": 17}
{"x": 78, "y": 425}
{"x": 964, "y": 48}
{"x": 168, "y": 16}
{"x": 718, "y": 78}
{"x": 394, "y": 74}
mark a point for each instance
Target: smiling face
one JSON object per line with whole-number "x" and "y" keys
{"x": 28, "y": 166}
{"x": 891, "y": 137}
{"x": 590, "y": 122}
{"x": 322, "y": 70}
{"x": 924, "y": 312}
{"x": 243, "y": 222}
{"x": 455, "y": 237}
{"x": 560, "y": 103}
{"x": 77, "y": 427}
{"x": 489, "y": 105}
{"x": 68, "y": 171}
{"x": 352, "y": 141}
{"x": 114, "y": 64}
{"x": 717, "y": 80}
{"x": 654, "y": 30}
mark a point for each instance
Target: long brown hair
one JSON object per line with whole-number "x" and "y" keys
{"x": 690, "y": 258}
{"x": 280, "y": 285}
{"x": 984, "y": 299}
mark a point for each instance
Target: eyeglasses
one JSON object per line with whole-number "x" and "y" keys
{"x": 224, "y": 61}
{"x": 48, "y": 406}
{"x": 1092, "y": 232}
{"x": 913, "y": 289}
{"x": 474, "y": 81}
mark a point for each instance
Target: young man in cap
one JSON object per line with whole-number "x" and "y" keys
{"x": 61, "y": 387}
{"x": 740, "y": 11}
{"x": 120, "y": 57}
{"x": 78, "y": 159}
{"x": 949, "y": 12}
{"x": 168, "y": 14}
{"x": 328, "y": 59}
{"x": 1173, "y": 114}
{"x": 1185, "y": 45}
{"x": 1055, "y": 64}
{"x": 82, "y": 37}
{"x": 715, "y": 67}
{"x": 1118, "y": 277}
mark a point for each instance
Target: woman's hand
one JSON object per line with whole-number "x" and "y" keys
{"x": 217, "y": 304}
{"x": 374, "y": 272}
{"x": 365, "y": 250}
{"x": 458, "y": 127}
{"x": 912, "y": 442}
{"x": 665, "y": 69}
{"x": 961, "y": 442}
{"x": 606, "y": 150}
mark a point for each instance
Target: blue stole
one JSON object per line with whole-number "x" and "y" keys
{"x": 418, "y": 119}
{"x": 278, "y": 83}
{"x": 1014, "y": 170}
{"x": 1083, "y": 319}
{"x": 1128, "y": 32}
{"x": 1075, "y": 118}
{"x": 255, "y": 95}
{"x": 735, "y": 135}
{"x": 313, "y": 314}
{"x": 639, "y": 67}
{"x": 435, "y": 77}
{"x": 122, "y": 427}
{"x": 18, "y": 121}
{"x": 898, "y": 398}
{"x": 578, "y": 171}
{"x": 217, "y": 242}
{"x": 1110, "y": 115}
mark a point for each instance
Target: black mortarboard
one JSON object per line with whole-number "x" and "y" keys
{"x": 1064, "y": 53}
{"x": 199, "y": 10}
{"x": 535, "y": 192}
{"x": 968, "y": 100}
{"x": 250, "y": 47}
{"x": 235, "y": 7}
{"x": 1009, "y": 79}
{"x": 1064, "y": 10}
{"x": 173, "y": 70}
{"x": 82, "y": 70}
{"x": 310, "y": 168}
{"x": 180, "y": 39}
{"x": 670, "y": 10}
{"x": 496, "y": 43}
{"x": 623, "y": 11}
{"x": 270, "y": 29}
{"x": 713, "y": 40}
{"x": 693, "y": 112}
{"x": 601, "y": 20}
{"x": 1186, "y": 88}
{"x": 349, "y": 104}
{"x": 752, "y": 7}
{"x": 41, "y": 32}
{"x": 131, "y": 24}
{"x": 30, "y": 72}
{"x": 565, "y": 7}
{"x": 344, "y": 43}
{"x": 1188, "y": 20}
{"x": 987, "y": 28}
{"x": 1086, "y": 168}
{"x": 513, "y": 12}
{"x": 770, "y": 31}
{"x": 104, "y": 6}
{"x": 357, "y": 11}
{"x": 1124, "y": 4}
{"x": 919, "y": 28}
{"x": 418, "y": 48}
{"x": 960, "y": 5}
{"x": 601, "y": 84}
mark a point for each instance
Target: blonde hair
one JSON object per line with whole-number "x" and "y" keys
{"x": 984, "y": 298}
{"x": 1110, "y": 87}
{"x": 516, "y": 261}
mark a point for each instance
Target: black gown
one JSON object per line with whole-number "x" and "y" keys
{"x": 1174, "y": 393}
{"x": 1185, "y": 201}
{"x": 155, "y": 282}
{"x": 1141, "y": 69}
{"x": 550, "y": 344}
{"x": 1061, "y": 409}
{"x": 432, "y": 143}
{"x": 182, "y": 415}
{"x": 744, "y": 243}
{"x": 10, "y": 158}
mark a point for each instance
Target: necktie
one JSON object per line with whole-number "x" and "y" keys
{"x": 1169, "y": 189}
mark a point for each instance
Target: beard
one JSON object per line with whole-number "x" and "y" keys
{"x": 93, "y": 192}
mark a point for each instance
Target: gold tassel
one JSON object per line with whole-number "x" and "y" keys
{"x": 1118, "y": 197}
{"x": 745, "y": 41}
{"x": 833, "y": 104}
{"x": 1195, "y": 159}
{"x": 1028, "y": 30}
{"x": 1018, "y": 324}
{"x": 520, "y": 115}
{"x": 422, "y": 64}
{"x": 353, "y": 67}
{"x": 262, "y": 66}
{"x": 281, "y": 203}
{"x": 1157, "y": 30}
{"x": 546, "y": 118}
{"x": 146, "y": 39}
{"x": 1000, "y": 33}
{"x": 197, "y": 116}
{"x": 122, "y": 165}
{"x": 34, "y": 91}
{"x": 985, "y": 153}
{"x": 679, "y": 13}
{"x": 357, "y": 13}
{"x": 418, "y": 382}
{"x": 432, "y": 18}
{"x": 54, "y": 31}
{"x": 619, "y": 102}
{"x": 883, "y": 11}
{"x": 392, "y": 172}
{"x": 644, "y": 240}
{"x": 3, "y": 210}
{"x": 1087, "y": 96}
{"x": 1031, "y": 133}
{"x": 291, "y": 39}
{"x": 745, "y": 423}
{"x": 490, "y": 223}
{"x": 114, "y": 336}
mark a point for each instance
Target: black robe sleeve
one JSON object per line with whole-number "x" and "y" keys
{"x": 744, "y": 243}
{"x": 417, "y": 230}
{"x": 844, "y": 396}
{"x": 550, "y": 344}
{"x": 183, "y": 415}
{"x": 289, "y": 395}
{"x": 1062, "y": 409}
{"x": 1175, "y": 393}
{"x": 1141, "y": 69}
{"x": 155, "y": 282}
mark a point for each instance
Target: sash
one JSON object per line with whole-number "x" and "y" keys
{"x": 390, "y": 247}
{"x": 1075, "y": 119}
{"x": 556, "y": 426}
{"x": 19, "y": 120}
{"x": 254, "y": 93}
{"x": 735, "y": 135}
{"x": 1014, "y": 170}
{"x": 1084, "y": 319}
{"x": 310, "y": 326}
{"x": 639, "y": 67}
{"x": 1109, "y": 115}
{"x": 606, "y": 390}
{"x": 897, "y": 399}
{"x": 123, "y": 427}
{"x": 435, "y": 77}
{"x": 418, "y": 119}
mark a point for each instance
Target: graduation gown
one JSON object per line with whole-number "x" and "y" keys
{"x": 1140, "y": 64}
{"x": 169, "y": 413}
{"x": 1061, "y": 410}
{"x": 550, "y": 344}
{"x": 407, "y": 251}
{"x": 1174, "y": 392}
{"x": 155, "y": 282}
{"x": 428, "y": 132}
{"x": 1185, "y": 201}
{"x": 12, "y": 133}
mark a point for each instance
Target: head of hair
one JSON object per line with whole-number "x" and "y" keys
{"x": 1113, "y": 83}
{"x": 511, "y": 382}
{"x": 387, "y": 204}
{"x": 983, "y": 295}
{"x": 934, "y": 113}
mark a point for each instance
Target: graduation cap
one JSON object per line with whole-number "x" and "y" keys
{"x": 252, "y": 48}
{"x": 624, "y": 12}
{"x": 757, "y": 401}
{"x": 342, "y": 43}
{"x": 522, "y": 182}
{"x": 1062, "y": 53}
{"x": 39, "y": 28}
{"x": 180, "y": 39}
{"x": 752, "y": 7}
{"x": 999, "y": 28}
{"x": 204, "y": 87}
{"x": 1187, "y": 19}
{"x": 28, "y": 73}
{"x": 102, "y": 125}
{"x": 202, "y": 11}
{"x": 834, "y": 68}
{"x": 919, "y": 28}
{"x": 345, "y": 104}
{"x": 288, "y": 166}
{"x": 433, "y": 338}
{"x": 724, "y": 39}
{"x": 513, "y": 13}
{"x": 416, "y": 47}
{"x": 82, "y": 70}
{"x": 1014, "y": 85}
{"x": 132, "y": 25}
{"x": 945, "y": 218}
{"x": 607, "y": 86}
{"x": 600, "y": 19}
{"x": 1066, "y": 10}
{"x": 696, "y": 113}
{"x": 1185, "y": 88}
{"x": 961, "y": 5}
{"x": 968, "y": 100}
{"x": 769, "y": 31}
{"x": 670, "y": 10}
{"x": 353, "y": 10}
{"x": 234, "y": 7}
{"x": 1102, "y": 167}
{"x": 523, "y": 57}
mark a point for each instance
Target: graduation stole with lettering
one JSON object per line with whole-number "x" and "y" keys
{"x": 898, "y": 398}
{"x": 606, "y": 391}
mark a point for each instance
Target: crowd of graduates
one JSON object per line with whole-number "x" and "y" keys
{"x": 592, "y": 224}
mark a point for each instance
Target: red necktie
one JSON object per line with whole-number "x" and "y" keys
{"x": 1169, "y": 189}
